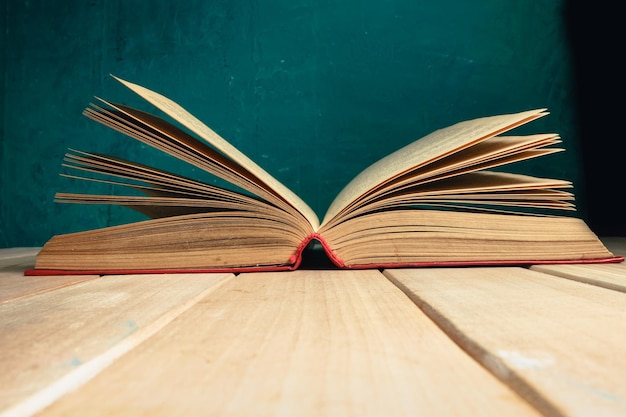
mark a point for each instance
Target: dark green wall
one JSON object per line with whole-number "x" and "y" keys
{"x": 314, "y": 91}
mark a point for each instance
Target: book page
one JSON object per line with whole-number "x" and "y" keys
{"x": 432, "y": 147}
{"x": 185, "y": 118}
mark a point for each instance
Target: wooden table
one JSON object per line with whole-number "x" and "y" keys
{"x": 547, "y": 340}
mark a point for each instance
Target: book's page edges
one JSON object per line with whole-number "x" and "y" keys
{"x": 512, "y": 263}
{"x": 295, "y": 260}
{"x": 51, "y": 272}
{"x": 293, "y": 263}
{"x": 333, "y": 258}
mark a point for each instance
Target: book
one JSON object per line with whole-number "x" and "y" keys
{"x": 438, "y": 201}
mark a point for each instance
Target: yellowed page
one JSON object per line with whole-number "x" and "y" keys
{"x": 427, "y": 149}
{"x": 185, "y": 118}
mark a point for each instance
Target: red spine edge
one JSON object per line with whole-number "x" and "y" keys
{"x": 297, "y": 256}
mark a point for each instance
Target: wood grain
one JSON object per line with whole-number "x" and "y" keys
{"x": 17, "y": 256}
{"x": 557, "y": 342}
{"x": 55, "y": 341}
{"x": 303, "y": 343}
{"x": 15, "y": 286}
{"x": 615, "y": 244}
{"x": 611, "y": 276}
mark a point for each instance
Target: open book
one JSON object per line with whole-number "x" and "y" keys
{"x": 433, "y": 202}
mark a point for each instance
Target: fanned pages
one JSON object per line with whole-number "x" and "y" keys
{"x": 181, "y": 115}
{"x": 436, "y": 201}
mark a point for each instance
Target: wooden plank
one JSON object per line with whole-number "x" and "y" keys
{"x": 18, "y": 252}
{"x": 611, "y": 276}
{"x": 55, "y": 341}
{"x": 14, "y": 285}
{"x": 18, "y": 256}
{"x": 559, "y": 343}
{"x": 302, "y": 343}
{"x": 615, "y": 244}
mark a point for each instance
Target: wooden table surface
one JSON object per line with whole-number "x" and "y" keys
{"x": 501, "y": 341}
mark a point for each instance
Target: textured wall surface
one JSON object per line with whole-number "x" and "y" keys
{"x": 314, "y": 91}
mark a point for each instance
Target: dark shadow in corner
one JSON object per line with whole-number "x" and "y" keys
{"x": 596, "y": 34}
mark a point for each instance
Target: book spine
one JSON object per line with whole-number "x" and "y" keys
{"x": 296, "y": 258}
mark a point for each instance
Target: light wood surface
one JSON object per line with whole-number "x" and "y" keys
{"x": 406, "y": 342}
{"x": 559, "y": 343}
{"x": 615, "y": 244}
{"x": 306, "y": 343}
{"x": 607, "y": 276}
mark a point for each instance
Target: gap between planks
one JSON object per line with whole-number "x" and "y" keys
{"x": 308, "y": 343}
{"x": 34, "y": 380}
{"x": 544, "y": 407}
{"x": 556, "y": 342}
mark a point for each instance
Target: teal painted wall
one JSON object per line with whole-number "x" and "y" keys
{"x": 314, "y": 91}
